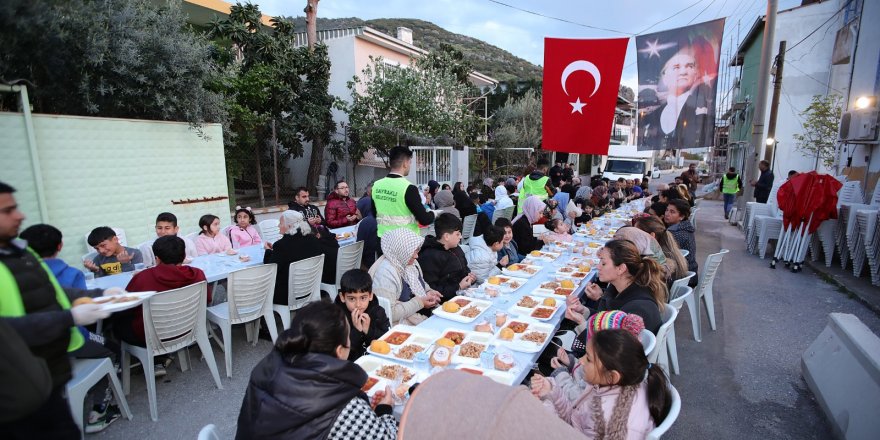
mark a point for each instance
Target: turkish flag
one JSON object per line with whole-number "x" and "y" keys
{"x": 581, "y": 81}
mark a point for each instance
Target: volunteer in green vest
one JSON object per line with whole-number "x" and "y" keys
{"x": 398, "y": 204}
{"x": 38, "y": 309}
{"x": 731, "y": 184}
{"x": 536, "y": 184}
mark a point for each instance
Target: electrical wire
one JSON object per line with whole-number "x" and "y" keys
{"x": 561, "y": 19}
{"x": 820, "y": 26}
{"x": 701, "y": 12}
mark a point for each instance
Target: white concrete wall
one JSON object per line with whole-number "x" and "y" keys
{"x": 114, "y": 172}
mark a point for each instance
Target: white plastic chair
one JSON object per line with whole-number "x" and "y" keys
{"x": 685, "y": 293}
{"x": 249, "y": 292}
{"x": 347, "y": 258}
{"x": 685, "y": 252}
{"x": 192, "y": 236}
{"x": 567, "y": 339}
{"x": 502, "y": 213}
{"x": 120, "y": 234}
{"x": 467, "y": 228}
{"x": 173, "y": 320}
{"x": 694, "y": 212}
{"x": 704, "y": 288}
{"x": 660, "y": 354}
{"x": 426, "y": 231}
{"x": 676, "y": 292}
{"x": 303, "y": 287}
{"x": 674, "y": 410}
{"x": 146, "y": 249}
{"x": 209, "y": 432}
{"x": 269, "y": 230}
{"x": 385, "y": 303}
{"x": 754, "y": 209}
{"x": 767, "y": 227}
{"x": 87, "y": 373}
{"x": 648, "y": 341}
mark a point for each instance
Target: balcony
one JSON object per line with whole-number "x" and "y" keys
{"x": 619, "y": 137}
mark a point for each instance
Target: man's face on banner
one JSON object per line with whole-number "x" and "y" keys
{"x": 679, "y": 73}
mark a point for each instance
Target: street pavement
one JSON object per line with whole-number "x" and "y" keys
{"x": 743, "y": 381}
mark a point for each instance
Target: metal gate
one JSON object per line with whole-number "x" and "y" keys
{"x": 432, "y": 163}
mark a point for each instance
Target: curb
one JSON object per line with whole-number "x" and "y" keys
{"x": 827, "y": 276}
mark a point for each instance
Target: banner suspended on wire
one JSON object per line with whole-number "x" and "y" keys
{"x": 579, "y": 94}
{"x": 678, "y": 72}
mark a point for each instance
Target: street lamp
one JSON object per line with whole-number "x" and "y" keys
{"x": 770, "y": 141}
{"x": 864, "y": 102}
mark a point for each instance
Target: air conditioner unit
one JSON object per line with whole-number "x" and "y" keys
{"x": 859, "y": 125}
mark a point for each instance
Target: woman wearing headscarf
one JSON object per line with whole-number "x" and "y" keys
{"x": 443, "y": 202}
{"x": 297, "y": 243}
{"x": 533, "y": 211}
{"x": 648, "y": 246}
{"x": 583, "y": 193}
{"x": 502, "y": 198}
{"x": 600, "y": 196}
{"x": 397, "y": 277}
{"x": 433, "y": 187}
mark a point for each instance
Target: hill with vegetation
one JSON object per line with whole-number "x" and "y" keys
{"x": 484, "y": 57}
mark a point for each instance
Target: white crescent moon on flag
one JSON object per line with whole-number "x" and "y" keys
{"x": 585, "y": 66}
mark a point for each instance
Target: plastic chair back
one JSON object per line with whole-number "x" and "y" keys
{"x": 674, "y": 410}
{"x": 668, "y": 314}
{"x": 426, "y": 231}
{"x": 192, "y": 236}
{"x": 269, "y": 231}
{"x": 385, "y": 303}
{"x": 648, "y": 341}
{"x": 304, "y": 282}
{"x": 209, "y": 432}
{"x": 173, "y": 318}
{"x": 468, "y": 225}
{"x": 347, "y": 258}
{"x": 247, "y": 290}
{"x": 679, "y": 284}
{"x": 850, "y": 192}
{"x": 502, "y": 213}
{"x": 681, "y": 296}
{"x": 875, "y": 197}
{"x": 710, "y": 269}
{"x": 120, "y": 234}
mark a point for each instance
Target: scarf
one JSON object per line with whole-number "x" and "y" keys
{"x": 584, "y": 193}
{"x": 443, "y": 199}
{"x": 616, "y": 427}
{"x": 502, "y": 200}
{"x": 647, "y": 245}
{"x": 532, "y": 209}
{"x": 398, "y": 246}
{"x": 600, "y": 192}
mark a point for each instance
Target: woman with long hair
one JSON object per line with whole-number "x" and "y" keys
{"x": 675, "y": 262}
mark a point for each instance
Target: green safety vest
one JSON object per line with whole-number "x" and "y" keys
{"x": 391, "y": 210}
{"x": 730, "y": 186}
{"x": 11, "y": 305}
{"x": 532, "y": 188}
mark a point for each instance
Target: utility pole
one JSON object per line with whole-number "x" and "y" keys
{"x": 757, "y": 142}
{"x": 774, "y": 103}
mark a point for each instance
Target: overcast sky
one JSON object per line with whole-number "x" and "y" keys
{"x": 522, "y": 33}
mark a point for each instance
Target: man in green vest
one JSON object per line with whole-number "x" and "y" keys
{"x": 398, "y": 204}
{"x": 731, "y": 184}
{"x": 536, "y": 184}
{"x": 38, "y": 309}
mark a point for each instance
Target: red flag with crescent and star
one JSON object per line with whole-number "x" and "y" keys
{"x": 581, "y": 82}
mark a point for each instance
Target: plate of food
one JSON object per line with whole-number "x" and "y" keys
{"x": 542, "y": 255}
{"x": 473, "y": 344}
{"x": 382, "y": 373}
{"x": 541, "y": 309}
{"x": 344, "y": 236}
{"x": 462, "y": 309}
{"x": 116, "y": 303}
{"x": 531, "y": 339}
{"x": 504, "y": 283}
{"x": 402, "y": 343}
{"x": 573, "y": 273}
{"x": 521, "y": 270}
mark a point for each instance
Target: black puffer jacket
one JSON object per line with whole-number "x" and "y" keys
{"x": 442, "y": 269}
{"x": 298, "y": 400}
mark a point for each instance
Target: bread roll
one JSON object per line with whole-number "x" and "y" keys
{"x": 83, "y": 300}
{"x": 380, "y": 347}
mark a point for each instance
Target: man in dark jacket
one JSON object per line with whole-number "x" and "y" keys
{"x": 40, "y": 312}
{"x": 764, "y": 183}
{"x": 556, "y": 173}
{"x": 443, "y": 263}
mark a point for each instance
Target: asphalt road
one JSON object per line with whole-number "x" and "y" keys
{"x": 742, "y": 382}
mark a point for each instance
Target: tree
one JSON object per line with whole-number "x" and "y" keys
{"x": 518, "y": 123}
{"x": 821, "y": 123}
{"x": 127, "y": 59}
{"x": 627, "y": 93}
{"x": 419, "y": 104}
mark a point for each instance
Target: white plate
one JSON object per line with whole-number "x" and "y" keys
{"x": 371, "y": 364}
{"x": 527, "y": 311}
{"x": 502, "y": 377}
{"x": 477, "y": 338}
{"x": 521, "y": 345}
{"x": 117, "y": 307}
{"x": 547, "y": 293}
{"x": 523, "y": 272}
{"x": 576, "y": 275}
{"x": 482, "y": 305}
{"x": 546, "y": 256}
{"x": 508, "y": 283}
{"x": 418, "y": 336}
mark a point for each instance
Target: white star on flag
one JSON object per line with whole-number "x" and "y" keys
{"x": 577, "y": 105}
{"x": 653, "y": 48}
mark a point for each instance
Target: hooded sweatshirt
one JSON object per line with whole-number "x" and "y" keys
{"x": 337, "y": 208}
{"x": 482, "y": 260}
{"x": 160, "y": 278}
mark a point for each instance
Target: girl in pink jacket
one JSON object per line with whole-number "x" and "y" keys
{"x": 243, "y": 233}
{"x": 626, "y": 397}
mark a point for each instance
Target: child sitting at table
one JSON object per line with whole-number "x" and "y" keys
{"x": 482, "y": 257}
{"x": 557, "y": 230}
{"x": 169, "y": 273}
{"x": 166, "y": 224}
{"x": 244, "y": 233}
{"x": 508, "y": 254}
{"x": 113, "y": 257}
{"x": 46, "y": 241}
{"x": 621, "y": 402}
{"x": 210, "y": 240}
{"x": 366, "y": 318}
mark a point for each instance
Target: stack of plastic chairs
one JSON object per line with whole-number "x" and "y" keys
{"x": 873, "y": 251}
{"x": 866, "y": 217}
{"x": 824, "y": 239}
{"x": 754, "y": 209}
{"x": 850, "y": 242}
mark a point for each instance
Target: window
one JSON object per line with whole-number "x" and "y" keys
{"x": 625, "y": 167}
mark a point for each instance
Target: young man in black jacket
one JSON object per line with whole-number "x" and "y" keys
{"x": 443, "y": 263}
